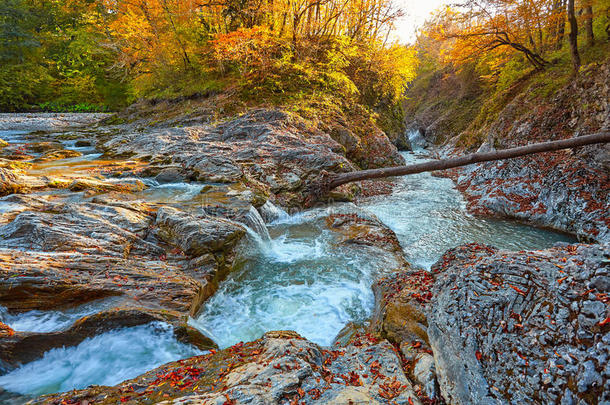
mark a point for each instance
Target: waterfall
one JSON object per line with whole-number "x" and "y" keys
{"x": 417, "y": 140}
{"x": 271, "y": 212}
{"x": 255, "y": 226}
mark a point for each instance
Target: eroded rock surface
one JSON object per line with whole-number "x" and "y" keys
{"x": 567, "y": 190}
{"x": 527, "y": 327}
{"x": 268, "y": 150}
{"x": 58, "y": 255}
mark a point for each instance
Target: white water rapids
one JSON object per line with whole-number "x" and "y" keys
{"x": 292, "y": 274}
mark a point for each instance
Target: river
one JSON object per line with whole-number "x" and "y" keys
{"x": 292, "y": 274}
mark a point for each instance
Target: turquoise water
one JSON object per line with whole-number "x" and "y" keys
{"x": 428, "y": 214}
{"x": 293, "y": 274}
{"x": 299, "y": 279}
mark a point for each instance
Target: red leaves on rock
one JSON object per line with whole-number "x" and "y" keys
{"x": 418, "y": 283}
{"x": 520, "y": 291}
{"x": 352, "y": 379}
{"x": 364, "y": 340}
{"x": 605, "y": 322}
{"x": 180, "y": 378}
{"x": 228, "y": 401}
{"x": 391, "y": 389}
{"x": 5, "y": 330}
{"x": 314, "y": 393}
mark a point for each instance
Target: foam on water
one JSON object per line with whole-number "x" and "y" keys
{"x": 106, "y": 359}
{"x": 50, "y": 321}
{"x": 300, "y": 281}
{"x": 429, "y": 216}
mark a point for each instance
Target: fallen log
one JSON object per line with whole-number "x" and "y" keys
{"x": 329, "y": 181}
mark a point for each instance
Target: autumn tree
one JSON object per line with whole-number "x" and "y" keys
{"x": 482, "y": 27}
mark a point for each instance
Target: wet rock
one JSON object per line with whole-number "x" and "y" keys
{"x": 58, "y": 155}
{"x": 86, "y": 227}
{"x": 268, "y": 150}
{"x": 520, "y": 327}
{"x": 279, "y": 368}
{"x": 170, "y": 175}
{"x": 83, "y": 251}
{"x": 10, "y": 182}
{"x": 196, "y": 236}
{"x": 400, "y": 313}
{"x": 44, "y": 147}
{"x": 81, "y": 143}
{"x": 103, "y": 186}
{"x": 6, "y": 331}
{"x": 362, "y": 228}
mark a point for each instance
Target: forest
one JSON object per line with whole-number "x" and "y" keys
{"x": 86, "y": 55}
{"x": 312, "y": 202}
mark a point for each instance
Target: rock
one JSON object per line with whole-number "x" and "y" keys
{"x": 102, "y": 186}
{"x": 196, "y": 236}
{"x": 81, "y": 143}
{"x": 565, "y": 190}
{"x": 362, "y": 228}
{"x": 170, "y": 175}
{"x": 6, "y": 331}
{"x": 10, "y": 182}
{"x": 46, "y": 121}
{"x": 267, "y": 150}
{"x": 58, "y": 155}
{"x": 424, "y": 373}
{"x": 278, "y": 368}
{"x": 400, "y": 314}
{"x": 44, "y": 147}
{"x": 520, "y": 327}
{"x": 80, "y": 252}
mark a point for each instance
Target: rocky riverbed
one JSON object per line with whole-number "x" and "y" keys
{"x": 150, "y": 237}
{"x": 567, "y": 190}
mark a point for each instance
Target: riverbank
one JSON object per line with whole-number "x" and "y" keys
{"x": 165, "y": 241}
{"x": 566, "y": 190}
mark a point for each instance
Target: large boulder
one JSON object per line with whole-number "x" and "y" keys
{"x": 79, "y": 252}
{"x": 196, "y": 235}
{"x": 268, "y": 150}
{"x": 522, "y": 327}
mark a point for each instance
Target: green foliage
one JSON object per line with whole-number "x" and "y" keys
{"x": 51, "y": 53}
{"x": 51, "y": 106}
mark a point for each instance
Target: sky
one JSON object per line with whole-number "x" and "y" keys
{"x": 416, "y": 12}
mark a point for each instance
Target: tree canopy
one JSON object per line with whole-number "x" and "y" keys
{"x": 165, "y": 48}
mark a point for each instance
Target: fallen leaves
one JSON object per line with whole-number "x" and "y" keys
{"x": 6, "y": 331}
{"x": 391, "y": 389}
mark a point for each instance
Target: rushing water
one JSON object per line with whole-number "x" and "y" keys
{"x": 293, "y": 273}
{"x": 300, "y": 279}
{"x": 51, "y": 321}
{"x": 295, "y": 277}
{"x": 106, "y": 359}
{"x": 428, "y": 214}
